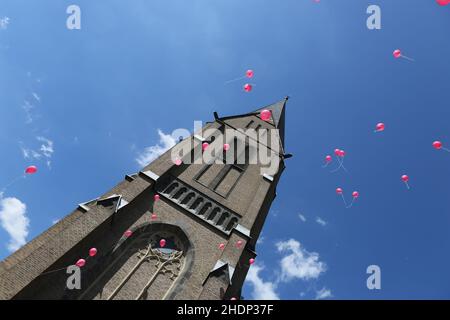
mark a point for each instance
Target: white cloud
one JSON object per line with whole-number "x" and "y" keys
{"x": 166, "y": 141}
{"x": 4, "y": 22}
{"x": 15, "y": 222}
{"x": 299, "y": 263}
{"x": 302, "y": 217}
{"x": 262, "y": 290}
{"x": 322, "y": 222}
{"x": 260, "y": 240}
{"x": 28, "y": 108}
{"x": 46, "y": 150}
{"x": 35, "y": 95}
{"x": 323, "y": 293}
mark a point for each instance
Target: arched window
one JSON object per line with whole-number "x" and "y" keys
{"x": 222, "y": 218}
{"x": 205, "y": 208}
{"x": 179, "y": 193}
{"x": 231, "y": 224}
{"x": 171, "y": 188}
{"x": 188, "y": 198}
{"x": 196, "y": 203}
{"x": 213, "y": 213}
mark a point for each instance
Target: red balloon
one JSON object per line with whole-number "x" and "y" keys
{"x": 239, "y": 243}
{"x": 355, "y": 194}
{"x": 251, "y": 261}
{"x": 248, "y": 87}
{"x": 226, "y": 147}
{"x": 205, "y": 145}
{"x": 405, "y": 178}
{"x": 328, "y": 158}
{"x": 222, "y": 246}
{"x": 249, "y": 73}
{"x": 31, "y": 169}
{"x": 342, "y": 153}
{"x": 337, "y": 152}
{"x": 437, "y": 144}
{"x": 154, "y": 216}
{"x": 380, "y": 126}
{"x": 162, "y": 243}
{"x": 339, "y": 190}
{"x": 443, "y": 2}
{"x": 128, "y": 233}
{"x": 156, "y": 197}
{"x": 397, "y": 53}
{"x": 92, "y": 252}
{"x": 80, "y": 263}
{"x": 178, "y": 161}
{"x": 265, "y": 115}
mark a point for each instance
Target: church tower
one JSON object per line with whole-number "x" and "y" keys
{"x": 181, "y": 228}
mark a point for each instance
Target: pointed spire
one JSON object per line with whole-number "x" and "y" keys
{"x": 278, "y": 115}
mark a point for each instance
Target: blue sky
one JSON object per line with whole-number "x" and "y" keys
{"x": 84, "y": 104}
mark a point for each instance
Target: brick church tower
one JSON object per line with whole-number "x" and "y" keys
{"x": 210, "y": 215}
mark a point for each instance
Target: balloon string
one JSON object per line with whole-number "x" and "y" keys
{"x": 341, "y": 165}
{"x": 407, "y": 185}
{"x": 343, "y": 199}
{"x": 325, "y": 165}
{"x": 407, "y": 58}
{"x": 230, "y": 81}
{"x": 351, "y": 204}
{"x": 12, "y": 182}
{"x": 448, "y": 150}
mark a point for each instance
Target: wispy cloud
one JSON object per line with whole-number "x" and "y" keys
{"x": 15, "y": 222}
{"x": 323, "y": 293}
{"x": 302, "y": 217}
{"x": 166, "y": 141}
{"x": 299, "y": 263}
{"x": 262, "y": 290}
{"x": 322, "y": 222}
{"x": 28, "y": 108}
{"x": 4, "y": 22}
{"x": 44, "y": 151}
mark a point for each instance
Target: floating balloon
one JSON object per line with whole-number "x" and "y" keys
{"x": 249, "y": 73}
{"x": 265, "y": 115}
{"x": 239, "y": 243}
{"x": 222, "y": 246}
{"x": 398, "y": 54}
{"x": 438, "y": 144}
{"x": 31, "y": 169}
{"x": 248, "y": 87}
{"x": 156, "y": 197}
{"x": 162, "y": 243}
{"x": 328, "y": 160}
{"x": 340, "y": 154}
{"x": 405, "y": 179}
{"x": 443, "y": 2}
{"x": 379, "y": 127}
{"x": 205, "y": 145}
{"x": 340, "y": 192}
{"x": 355, "y": 196}
{"x": 128, "y": 233}
{"x": 154, "y": 216}
{"x": 177, "y": 161}
{"x": 226, "y": 147}
{"x": 92, "y": 252}
{"x": 80, "y": 263}
{"x": 251, "y": 261}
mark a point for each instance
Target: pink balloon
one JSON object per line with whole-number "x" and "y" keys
{"x": 265, "y": 115}
{"x": 437, "y": 144}
{"x": 92, "y": 252}
{"x": 177, "y": 161}
{"x": 339, "y": 190}
{"x": 233, "y": 298}
{"x": 205, "y": 145}
{"x": 249, "y": 73}
{"x": 380, "y": 126}
{"x": 31, "y": 169}
{"x": 443, "y": 2}
{"x": 80, "y": 263}
{"x": 162, "y": 243}
{"x": 328, "y": 158}
{"x": 239, "y": 243}
{"x": 251, "y": 261}
{"x": 156, "y": 197}
{"x": 355, "y": 194}
{"x": 222, "y": 246}
{"x": 248, "y": 87}
{"x": 337, "y": 152}
{"x": 397, "y": 53}
{"x": 226, "y": 147}
{"x": 405, "y": 178}
{"x": 154, "y": 216}
{"x": 128, "y": 233}
{"x": 341, "y": 153}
